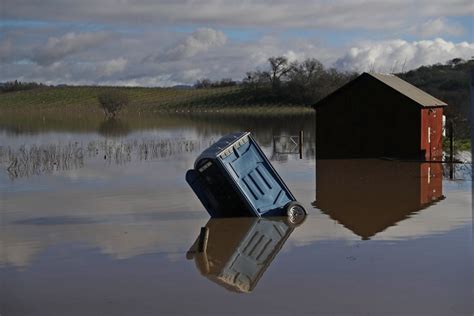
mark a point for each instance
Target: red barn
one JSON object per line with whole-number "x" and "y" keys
{"x": 379, "y": 115}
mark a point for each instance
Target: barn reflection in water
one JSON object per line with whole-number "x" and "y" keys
{"x": 369, "y": 195}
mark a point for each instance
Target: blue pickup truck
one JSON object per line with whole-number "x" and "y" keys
{"x": 234, "y": 178}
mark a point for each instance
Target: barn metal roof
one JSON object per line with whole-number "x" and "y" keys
{"x": 409, "y": 90}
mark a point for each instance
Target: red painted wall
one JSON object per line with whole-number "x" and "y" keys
{"x": 432, "y": 124}
{"x": 431, "y": 182}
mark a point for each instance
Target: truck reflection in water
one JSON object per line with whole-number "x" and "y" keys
{"x": 236, "y": 251}
{"x": 368, "y": 195}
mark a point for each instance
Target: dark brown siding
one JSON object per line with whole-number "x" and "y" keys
{"x": 368, "y": 119}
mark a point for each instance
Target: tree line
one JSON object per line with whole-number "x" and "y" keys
{"x": 208, "y": 83}
{"x": 294, "y": 82}
{"x": 16, "y": 85}
{"x": 309, "y": 81}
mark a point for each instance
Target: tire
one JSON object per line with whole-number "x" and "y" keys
{"x": 296, "y": 213}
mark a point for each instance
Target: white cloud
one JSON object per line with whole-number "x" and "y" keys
{"x": 438, "y": 27}
{"x": 61, "y": 48}
{"x": 6, "y": 49}
{"x": 144, "y": 81}
{"x": 112, "y": 66}
{"x": 200, "y": 41}
{"x": 395, "y": 55}
{"x": 56, "y": 48}
{"x": 192, "y": 75}
{"x": 204, "y": 53}
{"x": 366, "y": 14}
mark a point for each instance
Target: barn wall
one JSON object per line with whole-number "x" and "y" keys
{"x": 432, "y": 121}
{"x": 431, "y": 182}
{"x": 368, "y": 119}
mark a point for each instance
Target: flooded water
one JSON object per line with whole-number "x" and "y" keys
{"x": 97, "y": 219}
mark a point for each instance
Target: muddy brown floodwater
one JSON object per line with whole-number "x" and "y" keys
{"x": 98, "y": 220}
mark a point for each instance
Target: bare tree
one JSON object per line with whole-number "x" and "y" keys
{"x": 112, "y": 101}
{"x": 305, "y": 81}
{"x": 279, "y": 68}
{"x": 203, "y": 83}
{"x": 302, "y": 83}
{"x": 307, "y": 72}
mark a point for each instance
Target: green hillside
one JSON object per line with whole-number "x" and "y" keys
{"x": 448, "y": 82}
{"x": 84, "y": 99}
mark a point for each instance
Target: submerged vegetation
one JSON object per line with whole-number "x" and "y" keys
{"x": 32, "y": 160}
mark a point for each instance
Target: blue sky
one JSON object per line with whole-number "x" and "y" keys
{"x": 151, "y": 43}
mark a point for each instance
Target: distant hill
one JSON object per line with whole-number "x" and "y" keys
{"x": 83, "y": 100}
{"x": 448, "y": 82}
{"x": 182, "y": 86}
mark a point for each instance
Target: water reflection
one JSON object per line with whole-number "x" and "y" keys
{"x": 368, "y": 196}
{"x": 24, "y": 240}
{"x": 263, "y": 127}
{"x": 239, "y": 250}
{"x": 38, "y": 159}
{"x": 34, "y": 160}
{"x": 114, "y": 128}
{"x": 69, "y": 242}
{"x": 27, "y": 161}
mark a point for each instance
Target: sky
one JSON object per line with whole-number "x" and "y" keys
{"x": 166, "y": 43}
